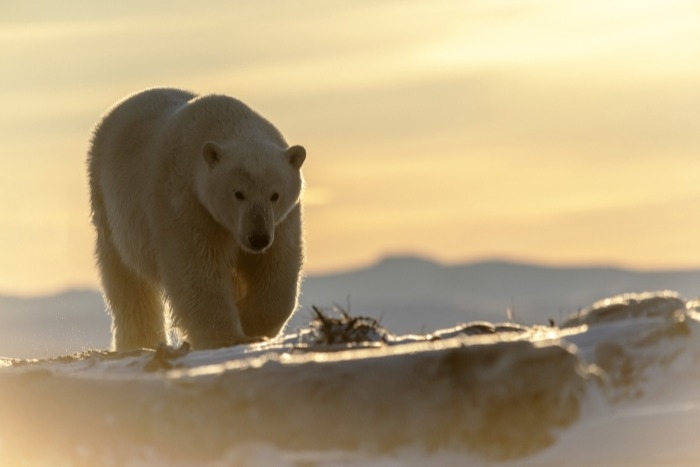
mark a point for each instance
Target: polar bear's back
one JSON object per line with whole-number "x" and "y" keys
{"x": 131, "y": 125}
{"x": 121, "y": 165}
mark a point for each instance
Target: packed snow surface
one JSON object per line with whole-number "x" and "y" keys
{"x": 616, "y": 384}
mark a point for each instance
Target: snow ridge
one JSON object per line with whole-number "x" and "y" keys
{"x": 490, "y": 393}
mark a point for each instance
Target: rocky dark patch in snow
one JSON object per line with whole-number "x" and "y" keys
{"x": 165, "y": 355}
{"x": 337, "y": 326}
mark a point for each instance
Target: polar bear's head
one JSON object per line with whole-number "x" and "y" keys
{"x": 249, "y": 188}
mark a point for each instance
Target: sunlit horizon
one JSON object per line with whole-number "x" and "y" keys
{"x": 540, "y": 132}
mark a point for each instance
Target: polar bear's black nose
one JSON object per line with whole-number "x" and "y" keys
{"x": 259, "y": 241}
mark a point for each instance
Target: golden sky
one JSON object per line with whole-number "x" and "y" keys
{"x": 540, "y": 130}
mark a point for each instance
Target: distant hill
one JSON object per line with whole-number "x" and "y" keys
{"x": 410, "y": 294}
{"x": 53, "y": 325}
{"x": 414, "y": 293}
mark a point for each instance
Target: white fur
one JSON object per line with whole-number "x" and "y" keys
{"x": 167, "y": 169}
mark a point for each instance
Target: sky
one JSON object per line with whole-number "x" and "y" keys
{"x": 556, "y": 132}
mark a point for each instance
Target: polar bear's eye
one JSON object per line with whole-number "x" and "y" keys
{"x": 275, "y": 196}
{"x": 239, "y": 195}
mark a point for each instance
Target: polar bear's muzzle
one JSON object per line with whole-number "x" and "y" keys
{"x": 259, "y": 242}
{"x": 259, "y": 230}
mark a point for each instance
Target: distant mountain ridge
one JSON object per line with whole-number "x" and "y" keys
{"x": 414, "y": 293}
{"x": 410, "y": 294}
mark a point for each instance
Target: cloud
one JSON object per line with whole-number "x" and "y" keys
{"x": 481, "y": 124}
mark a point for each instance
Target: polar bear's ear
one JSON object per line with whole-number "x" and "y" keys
{"x": 212, "y": 153}
{"x": 296, "y": 155}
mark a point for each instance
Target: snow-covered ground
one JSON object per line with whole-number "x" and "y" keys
{"x": 619, "y": 384}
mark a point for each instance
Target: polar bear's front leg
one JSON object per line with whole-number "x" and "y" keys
{"x": 271, "y": 282}
{"x": 135, "y": 304}
{"x": 206, "y": 314}
{"x": 201, "y": 297}
{"x": 270, "y": 299}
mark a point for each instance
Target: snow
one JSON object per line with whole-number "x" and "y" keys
{"x": 617, "y": 384}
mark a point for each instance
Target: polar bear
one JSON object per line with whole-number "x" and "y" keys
{"x": 195, "y": 199}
